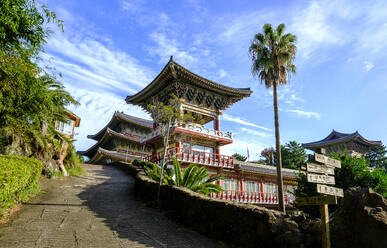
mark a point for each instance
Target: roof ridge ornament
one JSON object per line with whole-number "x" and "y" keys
{"x": 172, "y": 66}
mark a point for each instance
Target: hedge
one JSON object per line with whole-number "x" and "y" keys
{"x": 18, "y": 179}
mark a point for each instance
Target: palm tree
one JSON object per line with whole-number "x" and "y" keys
{"x": 196, "y": 179}
{"x": 272, "y": 53}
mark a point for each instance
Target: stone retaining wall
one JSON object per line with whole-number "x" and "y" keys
{"x": 239, "y": 224}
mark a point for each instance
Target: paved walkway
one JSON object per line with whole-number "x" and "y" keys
{"x": 96, "y": 210}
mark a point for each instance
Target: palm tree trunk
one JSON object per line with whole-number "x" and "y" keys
{"x": 281, "y": 204}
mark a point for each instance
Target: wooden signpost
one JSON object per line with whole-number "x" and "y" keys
{"x": 316, "y": 200}
{"x": 317, "y": 178}
{"x": 328, "y": 190}
{"x": 320, "y": 168}
{"x": 319, "y": 174}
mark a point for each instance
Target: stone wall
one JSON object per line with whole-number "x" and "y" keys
{"x": 242, "y": 225}
{"x": 361, "y": 221}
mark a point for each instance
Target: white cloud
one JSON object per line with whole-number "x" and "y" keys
{"x": 166, "y": 47}
{"x": 95, "y": 111}
{"x": 222, "y": 73}
{"x": 240, "y": 146}
{"x": 302, "y": 113}
{"x": 257, "y": 133}
{"x": 313, "y": 28}
{"x": 84, "y": 59}
{"x": 242, "y": 122}
{"x": 368, "y": 66}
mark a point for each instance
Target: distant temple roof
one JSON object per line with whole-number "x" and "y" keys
{"x": 265, "y": 169}
{"x": 336, "y": 137}
{"x": 117, "y": 117}
{"x": 175, "y": 71}
{"x": 107, "y": 136}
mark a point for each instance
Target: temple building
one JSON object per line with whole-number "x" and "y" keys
{"x": 119, "y": 140}
{"x": 193, "y": 141}
{"x": 336, "y": 142}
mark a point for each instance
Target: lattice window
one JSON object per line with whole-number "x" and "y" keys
{"x": 200, "y": 97}
{"x": 209, "y": 100}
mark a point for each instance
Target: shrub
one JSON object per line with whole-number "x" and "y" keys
{"x": 73, "y": 162}
{"x": 18, "y": 179}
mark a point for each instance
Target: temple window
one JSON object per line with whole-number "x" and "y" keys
{"x": 230, "y": 184}
{"x": 270, "y": 188}
{"x": 252, "y": 186}
{"x": 66, "y": 128}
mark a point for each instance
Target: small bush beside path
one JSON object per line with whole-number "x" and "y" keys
{"x": 18, "y": 179}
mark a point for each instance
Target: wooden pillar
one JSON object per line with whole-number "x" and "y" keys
{"x": 217, "y": 128}
{"x": 326, "y": 239}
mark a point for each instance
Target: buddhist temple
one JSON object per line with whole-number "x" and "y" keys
{"x": 119, "y": 140}
{"x": 353, "y": 143}
{"x": 126, "y": 137}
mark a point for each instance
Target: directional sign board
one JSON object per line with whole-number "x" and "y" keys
{"x": 316, "y": 200}
{"x": 329, "y": 190}
{"x": 316, "y": 178}
{"x": 327, "y": 160}
{"x": 319, "y": 168}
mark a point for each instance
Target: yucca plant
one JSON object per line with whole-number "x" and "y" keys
{"x": 153, "y": 171}
{"x": 196, "y": 179}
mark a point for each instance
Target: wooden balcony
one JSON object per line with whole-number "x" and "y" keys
{"x": 251, "y": 197}
{"x": 194, "y": 130}
{"x": 195, "y": 157}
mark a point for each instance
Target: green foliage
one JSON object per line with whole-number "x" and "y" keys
{"x": 18, "y": 179}
{"x": 293, "y": 155}
{"x": 153, "y": 171}
{"x": 239, "y": 157}
{"x": 73, "y": 162}
{"x": 31, "y": 99}
{"x": 377, "y": 157}
{"x": 354, "y": 172}
{"x": 21, "y": 24}
{"x": 196, "y": 179}
{"x": 272, "y": 53}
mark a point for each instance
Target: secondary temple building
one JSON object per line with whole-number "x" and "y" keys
{"x": 126, "y": 138}
{"x": 336, "y": 142}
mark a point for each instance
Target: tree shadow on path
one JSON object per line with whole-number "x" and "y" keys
{"x": 133, "y": 222}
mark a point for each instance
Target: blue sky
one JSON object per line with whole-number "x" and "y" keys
{"x": 111, "y": 49}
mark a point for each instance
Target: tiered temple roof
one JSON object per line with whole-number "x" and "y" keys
{"x": 341, "y": 141}
{"x": 107, "y": 137}
{"x": 176, "y": 79}
{"x": 119, "y": 117}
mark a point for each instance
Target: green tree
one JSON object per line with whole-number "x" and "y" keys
{"x": 272, "y": 53}
{"x": 377, "y": 157}
{"x": 196, "y": 179}
{"x": 31, "y": 99}
{"x": 239, "y": 157}
{"x": 354, "y": 172}
{"x": 21, "y": 24}
{"x": 293, "y": 155}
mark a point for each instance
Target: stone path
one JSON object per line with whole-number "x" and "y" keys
{"x": 95, "y": 210}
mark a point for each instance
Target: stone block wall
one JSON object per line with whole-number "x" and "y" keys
{"x": 238, "y": 224}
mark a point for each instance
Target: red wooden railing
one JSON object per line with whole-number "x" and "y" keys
{"x": 193, "y": 156}
{"x": 250, "y": 197}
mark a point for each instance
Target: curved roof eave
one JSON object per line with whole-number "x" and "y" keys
{"x": 172, "y": 67}
{"x": 124, "y": 117}
{"x": 343, "y": 137}
{"x": 108, "y": 134}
